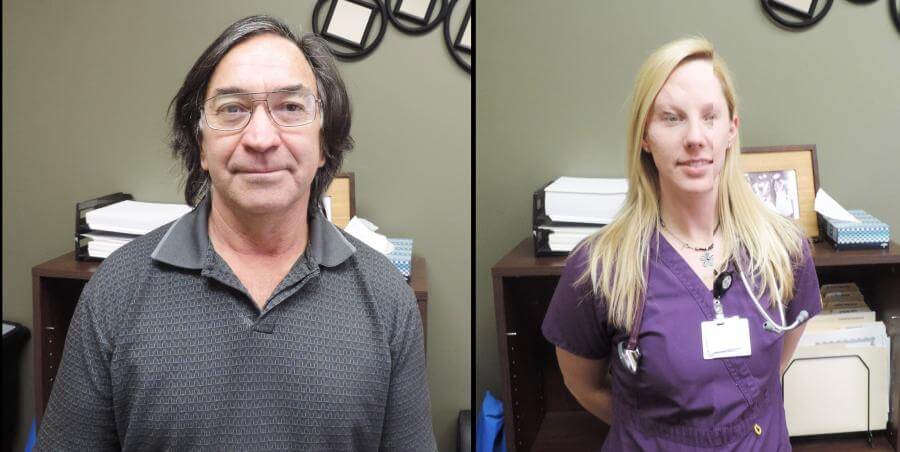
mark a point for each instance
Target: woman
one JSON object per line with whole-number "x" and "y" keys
{"x": 687, "y": 371}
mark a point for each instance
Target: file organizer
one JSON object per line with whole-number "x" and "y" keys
{"x": 850, "y": 393}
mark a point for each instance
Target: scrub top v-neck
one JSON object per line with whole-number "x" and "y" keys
{"x": 678, "y": 400}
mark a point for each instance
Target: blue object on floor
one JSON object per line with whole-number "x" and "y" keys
{"x": 32, "y": 438}
{"x": 489, "y": 435}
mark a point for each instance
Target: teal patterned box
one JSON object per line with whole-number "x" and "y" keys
{"x": 869, "y": 231}
{"x": 401, "y": 257}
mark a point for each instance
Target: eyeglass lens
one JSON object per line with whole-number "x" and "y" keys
{"x": 287, "y": 108}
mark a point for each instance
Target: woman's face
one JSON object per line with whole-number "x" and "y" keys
{"x": 689, "y": 129}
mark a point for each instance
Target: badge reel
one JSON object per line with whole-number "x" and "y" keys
{"x": 724, "y": 337}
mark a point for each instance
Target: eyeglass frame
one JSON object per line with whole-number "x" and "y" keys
{"x": 267, "y": 109}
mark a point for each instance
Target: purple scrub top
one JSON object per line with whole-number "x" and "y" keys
{"x": 678, "y": 400}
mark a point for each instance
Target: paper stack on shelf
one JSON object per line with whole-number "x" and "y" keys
{"x": 569, "y": 209}
{"x": 113, "y": 226}
{"x": 133, "y": 217}
{"x": 842, "y": 347}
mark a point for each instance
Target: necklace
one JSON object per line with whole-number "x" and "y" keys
{"x": 706, "y": 259}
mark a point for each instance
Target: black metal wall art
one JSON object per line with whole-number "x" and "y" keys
{"x": 349, "y": 26}
{"x": 802, "y": 14}
{"x": 461, "y": 50}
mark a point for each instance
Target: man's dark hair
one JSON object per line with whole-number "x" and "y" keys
{"x": 184, "y": 109}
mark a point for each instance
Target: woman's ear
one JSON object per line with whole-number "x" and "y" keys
{"x": 732, "y": 130}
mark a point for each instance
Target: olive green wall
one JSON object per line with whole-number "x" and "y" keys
{"x": 85, "y": 90}
{"x": 553, "y": 80}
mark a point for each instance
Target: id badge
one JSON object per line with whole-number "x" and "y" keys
{"x": 725, "y": 338}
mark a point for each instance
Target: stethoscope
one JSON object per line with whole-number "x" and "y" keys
{"x": 630, "y": 355}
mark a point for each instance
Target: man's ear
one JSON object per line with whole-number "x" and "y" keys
{"x": 203, "y": 162}
{"x": 199, "y": 135}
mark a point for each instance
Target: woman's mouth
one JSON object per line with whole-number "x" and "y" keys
{"x": 695, "y": 163}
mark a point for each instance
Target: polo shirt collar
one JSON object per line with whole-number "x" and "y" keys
{"x": 186, "y": 242}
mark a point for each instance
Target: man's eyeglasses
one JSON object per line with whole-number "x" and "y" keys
{"x": 286, "y": 108}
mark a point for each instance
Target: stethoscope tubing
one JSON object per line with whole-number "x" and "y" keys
{"x": 631, "y": 355}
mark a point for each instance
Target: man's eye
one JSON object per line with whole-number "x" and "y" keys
{"x": 231, "y": 109}
{"x": 291, "y": 107}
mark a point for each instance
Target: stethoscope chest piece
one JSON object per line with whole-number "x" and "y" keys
{"x": 629, "y": 357}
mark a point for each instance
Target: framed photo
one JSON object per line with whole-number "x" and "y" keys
{"x": 464, "y": 37}
{"x": 418, "y": 11}
{"x": 800, "y": 8}
{"x": 348, "y": 22}
{"x": 786, "y": 179}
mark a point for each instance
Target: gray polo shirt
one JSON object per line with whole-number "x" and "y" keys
{"x": 167, "y": 351}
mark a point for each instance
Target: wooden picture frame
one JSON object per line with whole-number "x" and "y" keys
{"x": 799, "y": 159}
{"x": 343, "y": 198}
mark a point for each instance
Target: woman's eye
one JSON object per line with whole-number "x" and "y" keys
{"x": 670, "y": 118}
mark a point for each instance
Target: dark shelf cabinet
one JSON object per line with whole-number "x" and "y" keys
{"x": 541, "y": 415}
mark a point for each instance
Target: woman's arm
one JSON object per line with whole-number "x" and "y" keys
{"x": 791, "y": 339}
{"x": 586, "y": 380}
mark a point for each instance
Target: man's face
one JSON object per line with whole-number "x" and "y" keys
{"x": 689, "y": 129}
{"x": 264, "y": 168}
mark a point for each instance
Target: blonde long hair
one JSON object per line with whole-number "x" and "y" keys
{"x": 767, "y": 244}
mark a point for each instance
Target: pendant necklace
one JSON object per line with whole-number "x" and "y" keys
{"x": 706, "y": 259}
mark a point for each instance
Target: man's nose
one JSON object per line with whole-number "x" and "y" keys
{"x": 261, "y": 133}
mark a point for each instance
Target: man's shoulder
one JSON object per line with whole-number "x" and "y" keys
{"x": 126, "y": 265}
{"x": 136, "y": 253}
{"x": 386, "y": 281}
{"x": 108, "y": 294}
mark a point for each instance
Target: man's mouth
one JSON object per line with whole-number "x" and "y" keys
{"x": 259, "y": 170}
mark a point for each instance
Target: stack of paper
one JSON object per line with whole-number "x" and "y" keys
{"x": 842, "y": 347}
{"x": 845, "y": 319}
{"x": 102, "y": 245}
{"x": 132, "y": 217}
{"x": 117, "y": 224}
{"x": 564, "y": 238}
{"x": 569, "y": 209}
{"x": 584, "y": 199}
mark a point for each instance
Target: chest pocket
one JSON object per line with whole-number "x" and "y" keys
{"x": 674, "y": 380}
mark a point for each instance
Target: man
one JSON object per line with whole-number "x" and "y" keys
{"x": 251, "y": 323}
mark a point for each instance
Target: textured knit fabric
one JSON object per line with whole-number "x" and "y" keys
{"x": 167, "y": 351}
